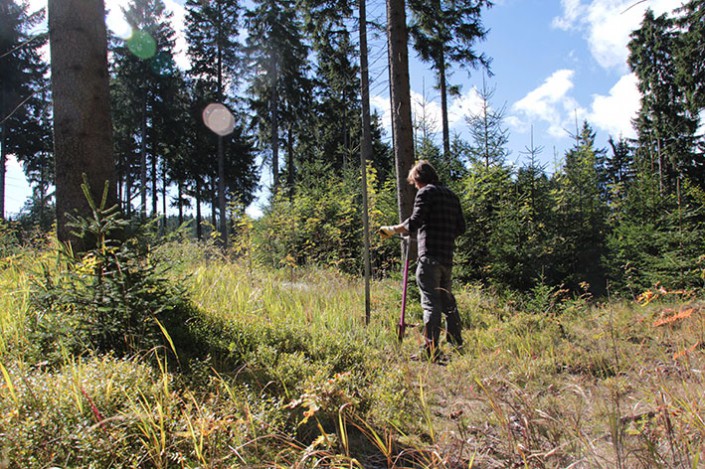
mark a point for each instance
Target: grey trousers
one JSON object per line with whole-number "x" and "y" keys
{"x": 434, "y": 282}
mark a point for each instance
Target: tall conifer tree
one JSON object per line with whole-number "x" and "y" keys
{"x": 690, "y": 56}
{"x": 277, "y": 56}
{"x": 489, "y": 137}
{"x": 666, "y": 129}
{"x": 329, "y": 23}
{"x": 144, "y": 88}
{"x": 216, "y": 65}
{"x": 400, "y": 97}
{"x": 446, "y": 33}
{"x": 581, "y": 214}
{"x": 23, "y": 89}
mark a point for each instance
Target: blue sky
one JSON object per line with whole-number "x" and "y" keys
{"x": 553, "y": 62}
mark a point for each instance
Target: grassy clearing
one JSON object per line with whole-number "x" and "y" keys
{"x": 299, "y": 381}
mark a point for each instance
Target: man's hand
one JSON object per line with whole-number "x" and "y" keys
{"x": 386, "y": 232}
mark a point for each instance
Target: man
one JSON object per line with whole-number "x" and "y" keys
{"x": 436, "y": 220}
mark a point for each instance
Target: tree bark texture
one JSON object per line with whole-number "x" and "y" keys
{"x": 400, "y": 94}
{"x": 365, "y": 151}
{"x": 82, "y": 126}
{"x": 3, "y": 167}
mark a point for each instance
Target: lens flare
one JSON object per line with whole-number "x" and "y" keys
{"x": 142, "y": 44}
{"x": 219, "y": 119}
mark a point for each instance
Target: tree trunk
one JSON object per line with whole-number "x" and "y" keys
{"x": 155, "y": 189}
{"x": 365, "y": 151}
{"x": 83, "y": 141}
{"x": 440, "y": 62}
{"x": 291, "y": 169}
{"x": 3, "y": 168}
{"x": 222, "y": 209}
{"x": 442, "y": 81}
{"x": 163, "y": 224}
{"x": 399, "y": 89}
{"x": 214, "y": 209}
{"x": 199, "y": 228}
{"x": 274, "y": 115}
{"x": 128, "y": 194}
{"x": 143, "y": 158}
{"x": 180, "y": 202}
{"x": 346, "y": 136}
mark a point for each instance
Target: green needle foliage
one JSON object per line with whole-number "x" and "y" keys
{"x": 110, "y": 298}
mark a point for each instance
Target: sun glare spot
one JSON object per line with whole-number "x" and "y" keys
{"x": 219, "y": 119}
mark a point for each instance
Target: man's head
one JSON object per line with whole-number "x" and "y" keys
{"x": 422, "y": 173}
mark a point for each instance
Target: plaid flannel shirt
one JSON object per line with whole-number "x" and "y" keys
{"x": 437, "y": 219}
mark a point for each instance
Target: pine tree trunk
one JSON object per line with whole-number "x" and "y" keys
{"x": 181, "y": 203}
{"x": 222, "y": 209}
{"x": 199, "y": 217}
{"x": 291, "y": 169}
{"x": 83, "y": 141}
{"x": 163, "y": 224}
{"x": 214, "y": 209}
{"x": 365, "y": 151}
{"x": 155, "y": 190}
{"x": 3, "y": 169}
{"x": 274, "y": 116}
{"x": 128, "y": 193}
{"x": 442, "y": 81}
{"x": 143, "y": 159}
{"x": 399, "y": 89}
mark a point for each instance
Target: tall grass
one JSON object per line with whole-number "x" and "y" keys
{"x": 306, "y": 384}
{"x": 13, "y": 301}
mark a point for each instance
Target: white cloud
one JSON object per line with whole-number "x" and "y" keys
{"x": 607, "y": 25}
{"x": 17, "y": 188}
{"x": 382, "y": 105}
{"x": 178, "y": 22}
{"x": 468, "y": 104}
{"x": 551, "y": 104}
{"x": 36, "y": 5}
{"x": 572, "y": 11}
{"x": 426, "y": 112}
{"x": 423, "y": 109}
{"x": 115, "y": 20}
{"x": 613, "y": 113}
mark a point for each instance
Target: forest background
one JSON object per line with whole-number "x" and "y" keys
{"x": 619, "y": 218}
